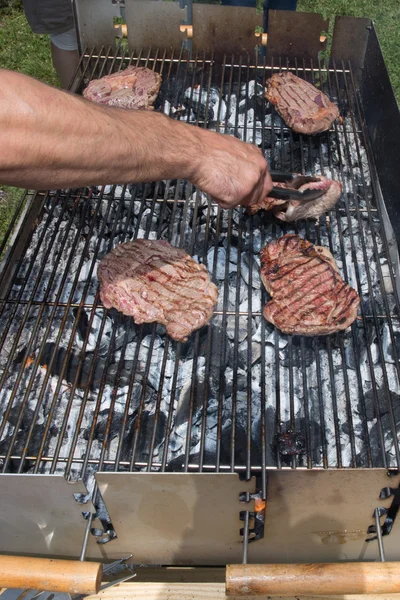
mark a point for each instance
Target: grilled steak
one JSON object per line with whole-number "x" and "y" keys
{"x": 309, "y": 297}
{"x": 135, "y": 87}
{"x": 294, "y": 210}
{"x": 303, "y": 108}
{"x": 154, "y": 281}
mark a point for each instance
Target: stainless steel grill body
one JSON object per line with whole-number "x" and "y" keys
{"x": 83, "y": 389}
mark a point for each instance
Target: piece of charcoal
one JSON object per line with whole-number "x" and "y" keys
{"x": 143, "y": 426}
{"x": 378, "y": 402}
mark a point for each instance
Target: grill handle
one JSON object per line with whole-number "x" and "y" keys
{"x": 71, "y": 576}
{"x": 322, "y": 579}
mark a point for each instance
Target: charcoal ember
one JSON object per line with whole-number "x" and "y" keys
{"x": 297, "y": 440}
{"x": 202, "y": 240}
{"x": 391, "y": 347}
{"x": 211, "y": 336}
{"x": 218, "y": 382}
{"x": 207, "y": 105}
{"x": 19, "y": 447}
{"x": 237, "y": 330}
{"x": 216, "y": 260}
{"x": 55, "y": 430}
{"x": 144, "y": 424}
{"x": 143, "y": 191}
{"x": 297, "y": 354}
{"x": 355, "y": 349}
{"x": 371, "y": 403}
{"x": 290, "y": 443}
{"x": 240, "y": 401}
{"x": 270, "y": 428}
{"x": 356, "y": 428}
{"x": 135, "y": 395}
{"x": 83, "y": 322}
{"x": 254, "y": 261}
{"x": 210, "y": 440}
{"x": 237, "y": 292}
{"x": 90, "y": 376}
{"x": 171, "y": 90}
{"x": 252, "y": 94}
{"x": 21, "y": 356}
{"x": 378, "y": 454}
{"x": 90, "y": 333}
{"x": 104, "y": 428}
{"x": 27, "y": 416}
{"x": 191, "y": 397}
{"x": 245, "y": 353}
{"x": 150, "y": 218}
{"x": 115, "y": 375}
{"x": 251, "y": 302}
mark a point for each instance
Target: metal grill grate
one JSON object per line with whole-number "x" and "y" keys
{"x": 85, "y": 389}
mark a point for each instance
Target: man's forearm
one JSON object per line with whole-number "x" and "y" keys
{"x": 50, "y": 139}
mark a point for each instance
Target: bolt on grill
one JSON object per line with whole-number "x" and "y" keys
{"x": 84, "y": 389}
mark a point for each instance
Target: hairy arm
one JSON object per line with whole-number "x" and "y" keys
{"x": 52, "y": 139}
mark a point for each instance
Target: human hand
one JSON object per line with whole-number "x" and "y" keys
{"x": 231, "y": 171}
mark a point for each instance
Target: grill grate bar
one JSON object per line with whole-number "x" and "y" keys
{"x": 393, "y": 317}
{"x": 278, "y": 418}
{"x": 266, "y": 435}
{"x": 84, "y": 196}
{"x": 343, "y": 254}
{"x": 172, "y": 59}
{"x": 370, "y": 288}
{"x": 142, "y": 465}
{"x": 342, "y": 353}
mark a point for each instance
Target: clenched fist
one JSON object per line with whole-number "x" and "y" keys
{"x": 231, "y": 171}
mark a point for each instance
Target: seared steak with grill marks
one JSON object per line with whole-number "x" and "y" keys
{"x": 135, "y": 87}
{"x": 154, "y": 281}
{"x": 302, "y": 106}
{"x": 294, "y": 210}
{"x": 309, "y": 297}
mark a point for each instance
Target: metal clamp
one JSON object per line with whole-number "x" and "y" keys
{"x": 108, "y": 568}
{"x": 377, "y": 514}
{"x": 253, "y": 521}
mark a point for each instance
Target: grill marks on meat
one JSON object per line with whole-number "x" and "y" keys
{"x": 154, "y": 281}
{"x": 309, "y": 296}
{"x": 135, "y": 87}
{"x": 302, "y": 106}
{"x": 294, "y": 210}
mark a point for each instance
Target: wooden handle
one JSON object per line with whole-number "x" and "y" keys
{"x": 323, "y": 579}
{"x": 50, "y": 575}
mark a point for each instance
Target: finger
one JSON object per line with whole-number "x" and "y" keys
{"x": 268, "y": 184}
{"x": 222, "y": 203}
{"x": 257, "y": 194}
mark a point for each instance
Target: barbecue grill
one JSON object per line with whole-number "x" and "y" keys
{"x": 184, "y": 453}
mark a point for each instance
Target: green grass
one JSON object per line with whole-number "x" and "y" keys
{"x": 21, "y": 50}
{"x": 386, "y": 17}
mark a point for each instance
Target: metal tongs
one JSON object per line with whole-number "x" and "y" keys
{"x": 294, "y": 181}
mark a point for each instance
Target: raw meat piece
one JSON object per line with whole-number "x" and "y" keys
{"x": 135, "y": 87}
{"x": 151, "y": 280}
{"x": 294, "y": 210}
{"x": 302, "y": 106}
{"x": 309, "y": 296}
